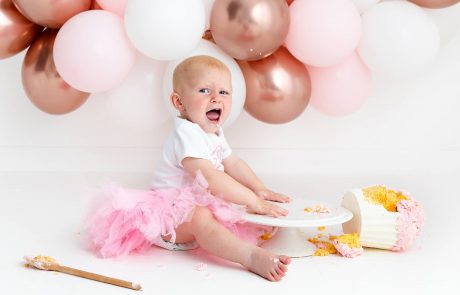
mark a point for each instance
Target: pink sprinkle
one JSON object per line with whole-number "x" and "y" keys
{"x": 201, "y": 266}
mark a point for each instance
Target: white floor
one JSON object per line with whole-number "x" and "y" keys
{"x": 42, "y": 213}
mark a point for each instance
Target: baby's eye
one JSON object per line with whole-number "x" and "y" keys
{"x": 224, "y": 92}
{"x": 205, "y": 90}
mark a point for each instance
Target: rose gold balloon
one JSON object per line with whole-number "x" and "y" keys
{"x": 42, "y": 83}
{"x": 207, "y": 35}
{"x": 51, "y": 13}
{"x": 289, "y": 1}
{"x": 435, "y": 3}
{"x": 278, "y": 87}
{"x": 16, "y": 32}
{"x": 249, "y": 29}
{"x": 95, "y": 5}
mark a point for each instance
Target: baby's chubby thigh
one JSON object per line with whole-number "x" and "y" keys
{"x": 185, "y": 232}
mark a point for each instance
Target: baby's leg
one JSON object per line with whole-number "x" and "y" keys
{"x": 218, "y": 240}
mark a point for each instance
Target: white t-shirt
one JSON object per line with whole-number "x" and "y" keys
{"x": 188, "y": 140}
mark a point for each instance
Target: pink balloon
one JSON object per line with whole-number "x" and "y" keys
{"x": 323, "y": 33}
{"x": 115, "y": 6}
{"x": 92, "y": 52}
{"x": 341, "y": 89}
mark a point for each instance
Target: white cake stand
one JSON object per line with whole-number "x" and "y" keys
{"x": 289, "y": 240}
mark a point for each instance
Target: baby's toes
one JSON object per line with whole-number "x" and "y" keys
{"x": 282, "y": 267}
{"x": 285, "y": 259}
{"x": 275, "y": 275}
{"x": 280, "y": 272}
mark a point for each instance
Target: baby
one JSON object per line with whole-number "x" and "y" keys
{"x": 194, "y": 186}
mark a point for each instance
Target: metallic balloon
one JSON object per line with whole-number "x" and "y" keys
{"x": 249, "y": 29}
{"x": 95, "y": 5}
{"x": 207, "y": 35}
{"x": 16, "y": 32}
{"x": 42, "y": 83}
{"x": 278, "y": 87}
{"x": 434, "y": 3}
{"x": 51, "y": 13}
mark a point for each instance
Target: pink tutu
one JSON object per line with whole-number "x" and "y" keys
{"x": 127, "y": 220}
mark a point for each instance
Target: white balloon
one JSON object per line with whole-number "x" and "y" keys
{"x": 398, "y": 38}
{"x": 137, "y": 102}
{"x": 208, "y": 7}
{"x": 238, "y": 84}
{"x": 364, "y": 5}
{"x": 165, "y": 30}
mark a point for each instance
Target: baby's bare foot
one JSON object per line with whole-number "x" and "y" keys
{"x": 268, "y": 265}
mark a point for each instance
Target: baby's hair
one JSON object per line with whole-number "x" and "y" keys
{"x": 188, "y": 68}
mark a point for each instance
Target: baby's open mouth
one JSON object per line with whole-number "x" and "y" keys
{"x": 214, "y": 115}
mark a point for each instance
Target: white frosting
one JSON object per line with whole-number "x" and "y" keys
{"x": 375, "y": 225}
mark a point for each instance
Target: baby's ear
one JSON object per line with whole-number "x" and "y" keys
{"x": 176, "y": 101}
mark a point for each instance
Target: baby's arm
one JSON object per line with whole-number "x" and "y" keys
{"x": 231, "y": 190}
{"x": 240, "y": 171}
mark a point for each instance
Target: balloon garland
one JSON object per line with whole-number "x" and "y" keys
{"x": 287, "y": 55}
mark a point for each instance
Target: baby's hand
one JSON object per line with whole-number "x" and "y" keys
{"x": 263, "y": 207}
{"x": 266, "y": 194}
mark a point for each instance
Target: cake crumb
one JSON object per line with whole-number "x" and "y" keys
{"x": 321, "y": 252}
{"x": 322, "y": 246}
{"x": 317, "y": 209}
{"x": 332, "y": 237}
{"x": 266, "y": 236}
{"x": 40, "y": 261}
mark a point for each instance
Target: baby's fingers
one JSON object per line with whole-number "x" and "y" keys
{"x": 279, "y": 198}
{"x": 278, "y": 211}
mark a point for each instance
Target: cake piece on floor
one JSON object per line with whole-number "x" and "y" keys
{"x": 348, "y": 245}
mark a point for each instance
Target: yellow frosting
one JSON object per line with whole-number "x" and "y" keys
{"x": 352, "y": 240}
{"x": 382, "y": 196}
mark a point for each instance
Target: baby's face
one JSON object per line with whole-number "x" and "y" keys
{"x": 207, "y": 99}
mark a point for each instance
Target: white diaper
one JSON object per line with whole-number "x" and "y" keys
{"x": 160, "y": 242}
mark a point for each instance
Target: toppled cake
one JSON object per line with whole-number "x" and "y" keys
{"x": 383, "y": 218}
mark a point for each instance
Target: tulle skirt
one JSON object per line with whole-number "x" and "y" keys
{"x": 127, "y": 220}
